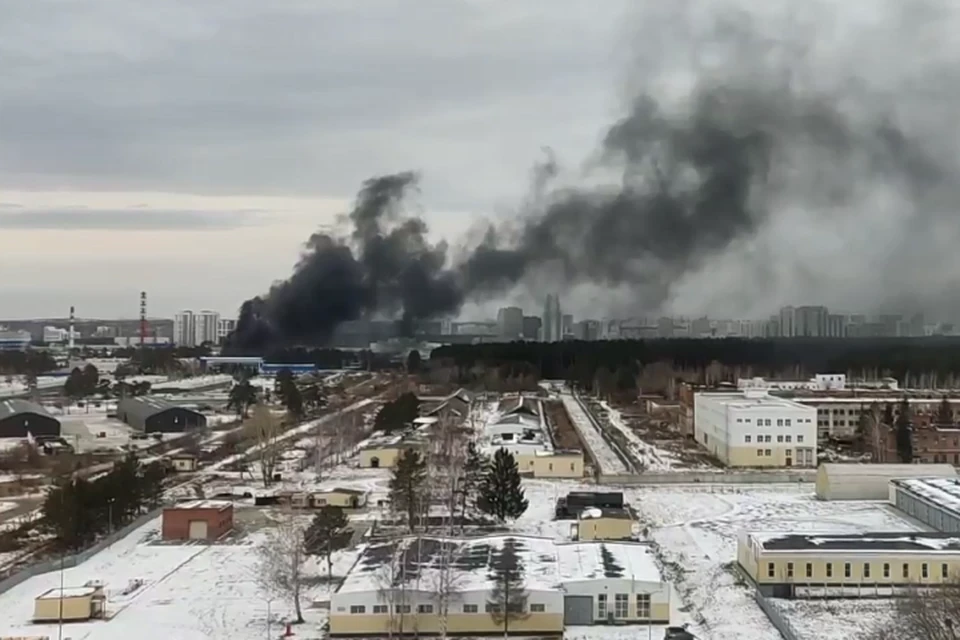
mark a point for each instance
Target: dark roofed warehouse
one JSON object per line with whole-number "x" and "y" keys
{"x": 18, "y": 418}
{"x": 153, "y": 415}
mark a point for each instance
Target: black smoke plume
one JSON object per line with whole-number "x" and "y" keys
{"x": 684, "y": 185}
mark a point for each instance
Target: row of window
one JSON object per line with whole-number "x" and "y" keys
{"x": 781, "y": 422}
{"x": 428, "y": 608}
{"x": 621, "y": 605}
{"x": 767, "y": 438}
{"x": 550, "y": 466}
{"x": 848, "y": 570}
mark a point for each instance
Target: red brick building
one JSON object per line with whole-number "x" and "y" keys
{"x": 197, "y": 520}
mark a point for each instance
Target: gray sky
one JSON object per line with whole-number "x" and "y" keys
{"x": 188, "y": 148}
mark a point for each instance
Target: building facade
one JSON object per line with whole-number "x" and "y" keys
{"x": 754, "y": 429}
{"x": 206, "y": 327}
{"x": 853, "y": 481}
{"x": 184, "y": 329}
{"x": 510, "y": 323}
{"x": 552, "y": 330}
{"x": 933, "y": 501}
{"x": 197, "y": 520}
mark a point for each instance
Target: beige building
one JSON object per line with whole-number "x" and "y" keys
{"x": 183, "y": 462}
{"x": 551, "y": 464}
{"x": 72, "y": 604}
{"x": 786, "y": 565}
{"x": 604, "y": 524}
{"x": 580, "y": 583}
{"x": 338, "y": 497}
{"x": 856, "y": 481}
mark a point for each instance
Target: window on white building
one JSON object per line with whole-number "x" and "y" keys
{"x": 786, "y": 421}
{"x": 767, "y": 438}
{"x": 401, "y": 608}
{"x": 621, "y": 605}
{"x": 424, "y": 608}
{"x": 789, "y": 438}
{"x": 538, "y": 608}
{"x": 739, "y": 419}
{"x": 746, "y": 438}
{"x": 779, "y": 422}
{"x": 470, "y": 608}
{"x": 602, "y": 606}
{"x": 380, "y": 608}
{"x": 768, "y": 453}
{"x": 759, "y": 453}
{"x": 799, "y": 438}
{"x": 643, "y": 605}
{"x": 358, "y": 608}
{"x": 779, "y": 438}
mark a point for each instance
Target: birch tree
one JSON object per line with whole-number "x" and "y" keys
{"x": 280, "y": 567}
{"x": 264, "y": 429}
{"x": 392, "y": 587}
{"x": 446, "y": 583}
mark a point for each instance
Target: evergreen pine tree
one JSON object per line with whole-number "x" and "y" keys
{"x": 501, "y": 492}
{"x": 945, "y": 413}
{"x": 406, "y": 485}
{"x": 471, "y": 478}
{"x": 508, "y": 598}
{"x": 904, "y": 433}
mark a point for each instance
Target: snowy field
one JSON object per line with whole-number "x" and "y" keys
{"x": 198, "y": 382}
{"x": 652, "y": 458}
{"x": 695, "y": 529}
{"x": 189, "y": 592}
{"x": 17, "y": 385}
{"x": 837, "y": 619}
{"x": 606, "y": 458}
{"x": 7, "y": 506}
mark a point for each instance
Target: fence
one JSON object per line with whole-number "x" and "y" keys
{"x": 706, "y": 477}
{"x": 787, "y": 630}
{"x": 78, "y": 558}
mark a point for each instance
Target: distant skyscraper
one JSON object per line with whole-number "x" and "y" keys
{"x": 225, "y": 327}
{"x": 552, "y": 319}
{"x": 787, "y": 324}
{"x": 185, "y": 329}
{"x": 811, "y": 322}
{"x": 566, "y": 325}
{"x": 206, "y": 327}
{"x": 510, "y": 323}
{"x": 531, "y": 327}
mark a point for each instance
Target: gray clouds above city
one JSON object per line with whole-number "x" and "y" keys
{"x": 142, "y": 146}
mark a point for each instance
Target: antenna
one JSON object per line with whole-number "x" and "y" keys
{"x": 71, "y": 328}
{"x": 143, "y": 318}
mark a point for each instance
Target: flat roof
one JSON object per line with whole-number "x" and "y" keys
{"x": 593, "y": 513}
{"x": 202, "y": 504}
{"x": 68, "y": 592}
{"x": 354, "y": 492}
{"x": 942, "y": 492}
{"x": 742, "y": 401}
{"x": 925, "y": 542}
{"x": 580, "y": 561}
{"x": 891, "y": 470}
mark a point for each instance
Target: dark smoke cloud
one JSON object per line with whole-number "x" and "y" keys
{"x": 700, "y": 190}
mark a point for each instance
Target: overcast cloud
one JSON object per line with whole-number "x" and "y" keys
{"x": 108, "y": 100}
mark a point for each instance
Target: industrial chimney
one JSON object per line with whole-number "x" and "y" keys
{"x": 71, "y": 328}
{"x": 143, "y": 318}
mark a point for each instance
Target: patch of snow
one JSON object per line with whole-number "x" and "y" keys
{"x": 609, "y": 462}
{"x": 652, "y": 458}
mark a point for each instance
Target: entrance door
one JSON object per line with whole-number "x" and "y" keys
{"x": 198, "y": 530}
{"x": 375, "y": 462}
{"x": 789, "y": 461}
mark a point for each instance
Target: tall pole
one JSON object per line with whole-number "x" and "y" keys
{"x": 60, "y": 615}
{"x": 268, "y": 619}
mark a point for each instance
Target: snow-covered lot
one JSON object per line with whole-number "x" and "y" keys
{"x": 696, "y": 531}
{"x": 609, "y": 462}
{"x": 652, "y": 458}
{"x": 189, "y": 592}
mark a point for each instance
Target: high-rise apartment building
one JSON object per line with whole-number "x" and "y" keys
{"x": 206, "y": 327}
{"x": 225, "y": 327}
{"x": 184, "y": 329}
{"x": 787, "y": 324}
{"x": 510, "y": 323}
{"x": 552, "y": 319}
{"x": 531, "y": 327}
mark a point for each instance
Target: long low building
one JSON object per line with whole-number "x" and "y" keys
{"x": 790, "y": 565}
{"x": 859, "y": 481}
{"x": 403, "y": 586}
{"x": 934, "y": 501}
{"x": 22, "y": 419}
{"x": 154, "y": 415}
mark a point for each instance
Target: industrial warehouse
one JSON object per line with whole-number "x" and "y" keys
{"x": 392, "y": 589}
{"x": 871, "y": 481}
{"x": 153, "y": 415}
{"x": 933, "y": 501}
{"x": 23, "y": 419}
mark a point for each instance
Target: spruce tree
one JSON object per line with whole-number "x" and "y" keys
{"x": 407, "y": 485}
{"x": 508, "y": 598}
{"x": 471, "y": 479}
{"x": 904, "y": 433}
{"x": 501, "y": 492}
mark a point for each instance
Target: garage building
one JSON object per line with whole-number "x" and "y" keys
{"x": 20, "y": 419}
{"x": 153, "y": 415}
{"x": 70, "y": 604}
{"x": 198, "y": 520}
{"x": 837, "y": 481}
{"x": 933, "y": 501}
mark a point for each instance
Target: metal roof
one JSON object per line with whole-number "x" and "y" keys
{"x": 15, "y": 407}
{"x": 882, "y": 541}
{"x": 143, "y": 407}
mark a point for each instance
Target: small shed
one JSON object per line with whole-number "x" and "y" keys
{"x": 70, "y": 604}
{"x": 183, "y": 462}
{"x": 339, "y": 497}
{"x": 858, "y": 481}
{"x": 197, "y": 520}
{"x": 21, "y": 419}
{"x": 604, "y": 524}
{"x": 154, "y": 415}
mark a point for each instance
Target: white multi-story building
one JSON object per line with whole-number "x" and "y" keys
{"x": 754, "y": 429}
{"x": 225, "y": 327}
{"x": 206, "y": 327}
{"x": 552, "y": 319}
{"x": 820, "y": 382}
{"x": 184, "y": 329}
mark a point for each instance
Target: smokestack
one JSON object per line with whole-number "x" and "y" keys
{"x": 143, "y": 318}
{"x": 71, "y": 328}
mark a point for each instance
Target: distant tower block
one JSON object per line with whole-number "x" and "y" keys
{"x": 143, "y": 317}
{"x": 72, "y": 318}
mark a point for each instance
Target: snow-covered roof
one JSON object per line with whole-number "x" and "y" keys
{"x": 202, "y": 504}
{"x": 418, "y": 563}
{"x": 898, "y": 541}
{"x": 888, "y": 470}
{"x": 68, "y": 592}
{"x": 579, "y": 561}
{"x": 942, "y": 492}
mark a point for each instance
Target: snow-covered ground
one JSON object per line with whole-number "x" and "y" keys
{"x": 695, "y": 529}
{"x": 837, "y": 619}
{"x": 652, "y": 458}
{"x": 189, "y": 592}
{"x": 17, "y": 385}
{"x": 197, "y": 382}
{"x": 7, "y": 506}
{"x": 609, "y": 462}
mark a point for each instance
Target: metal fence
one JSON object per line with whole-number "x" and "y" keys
{"x": 776, "y": 617}
{"x": 78, "y": 558}
{"x": 707, "y": 477}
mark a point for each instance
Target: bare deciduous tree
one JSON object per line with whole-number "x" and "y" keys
{"x": 924, "y": 614}
{"x": 391, "y": 583}
{"x": 264, "y": 428}
{"x": 280, "y": 569}
{"x": 446, "y": 582}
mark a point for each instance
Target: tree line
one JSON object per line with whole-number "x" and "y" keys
{"x": 76, "y": 511}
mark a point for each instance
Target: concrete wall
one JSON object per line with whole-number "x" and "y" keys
{"x": 79, "y": 558}
{"x": 706, "y": 477}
